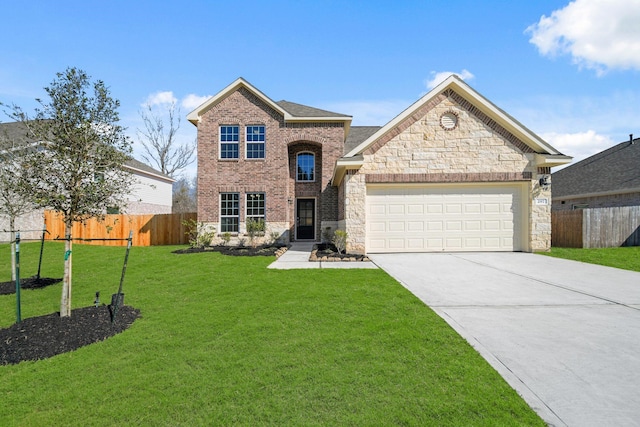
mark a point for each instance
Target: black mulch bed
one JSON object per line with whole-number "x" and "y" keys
{"x": 42, "y": 337}
{"x": 234, "y": 250}
{"x": 329, "y": 252}
{"x": 7, "y": 288}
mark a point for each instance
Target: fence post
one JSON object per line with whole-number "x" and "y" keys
{"x": 44, "y": 230}
{"x": 18, "y": 313}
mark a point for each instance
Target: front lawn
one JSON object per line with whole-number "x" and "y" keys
{"x": 224, "y": 341}
{"x": 627, "y": 258}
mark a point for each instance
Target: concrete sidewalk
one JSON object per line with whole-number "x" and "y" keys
{"x": 297, "y": 256}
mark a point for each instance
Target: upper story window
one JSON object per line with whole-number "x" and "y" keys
{"x": 229, "y": 142}
{"x": 306, "y": 167}
{"x": 255, "y": 142}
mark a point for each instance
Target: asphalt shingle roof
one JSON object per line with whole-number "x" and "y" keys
{"x": 299, "y": 110}
{"x": 613, "y": 169}
{"x": 357, "y": 135}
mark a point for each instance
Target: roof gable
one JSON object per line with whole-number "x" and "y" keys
{"x": 291, "y": 112}
{"x": 479, "y": 105}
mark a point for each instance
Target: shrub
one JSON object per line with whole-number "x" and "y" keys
{"x": 340, "y": 240}
{"x": 226, "y": 238}
{"x": 199, "y": 233}
{"x": 275, "y": 237}
{"x": 255, "y": 227}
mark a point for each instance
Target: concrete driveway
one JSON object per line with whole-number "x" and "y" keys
{"x": 564, "y": 334}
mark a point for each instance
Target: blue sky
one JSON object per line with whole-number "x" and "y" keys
{"x": 568, "y": 71}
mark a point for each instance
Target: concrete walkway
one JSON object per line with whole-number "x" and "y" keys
{"x": 564, "y": 334}
{"x": 297, "y": 256}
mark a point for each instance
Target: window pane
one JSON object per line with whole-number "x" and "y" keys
{"x": 229, "y": 142}
{"x": 255, "y": 205}
{"x": 255, "y": 150}
{"x": 306, "y": 167}
{"x": 255, "y": 142}
{"x": 229, "y": 212}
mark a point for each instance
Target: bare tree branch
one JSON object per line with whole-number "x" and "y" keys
{"x": 158, "y": 138}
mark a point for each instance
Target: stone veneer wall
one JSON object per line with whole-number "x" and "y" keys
{"x": 477, "y": 149}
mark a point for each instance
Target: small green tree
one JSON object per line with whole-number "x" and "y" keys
{"x": 77, "y": 168}
{"x": 255, "y": 227}
{"x": 340, "y": 240}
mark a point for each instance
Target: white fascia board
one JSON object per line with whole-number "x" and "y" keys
{"x": 343, "y": 165}
{"x": 151, "y": 174}
{"x": 551, "y": 160}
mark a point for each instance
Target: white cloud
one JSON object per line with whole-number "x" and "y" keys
{"x": 598, "y": 34}
{"x": 578, "y": 145}
{"x": 438, "y": 77}
{"x": 192, "y": 101}
{"x": 160, "y": 98}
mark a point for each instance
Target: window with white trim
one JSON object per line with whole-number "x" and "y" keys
{"x": 229, "y": 212}
{"x": 255, "y": 142}
{"x": 255, "y": 206}
{"x": 306, "y": 166}
{"x": 229, "y": 142}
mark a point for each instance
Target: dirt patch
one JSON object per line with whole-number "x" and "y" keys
{"x": 42, "y": 337}
{"x": 238, "y": 250}
{"x": 327, "y": 252}
{"x": 7, "y": 288}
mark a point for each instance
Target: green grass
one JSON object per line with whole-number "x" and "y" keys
{"x": 225, "y": 341}
{"x": 627, "y": 258}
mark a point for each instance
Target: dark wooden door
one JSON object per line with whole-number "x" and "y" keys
{"x": 305, "y": 219}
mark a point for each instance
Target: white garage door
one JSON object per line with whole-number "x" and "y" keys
{"x": 448, "y": 218}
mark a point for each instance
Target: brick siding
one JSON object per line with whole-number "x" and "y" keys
{"x": 275, "y": 175}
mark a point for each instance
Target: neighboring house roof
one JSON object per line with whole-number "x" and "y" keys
{"x": 546, "y": 155}
{"x": 17, "y": 130}
{"x": 138, "y": 166}
{"x": 615, "y": 170}
{"x": 290, "y": 111}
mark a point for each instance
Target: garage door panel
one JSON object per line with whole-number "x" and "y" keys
{"x": 415, "y": 226}
{"x": 443, "y": 218}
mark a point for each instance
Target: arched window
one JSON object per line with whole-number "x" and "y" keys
{"x": 306, "y": 167}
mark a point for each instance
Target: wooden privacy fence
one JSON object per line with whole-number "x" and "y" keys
{"x": 596, "y": 228}
{"x": 148, "y": 230}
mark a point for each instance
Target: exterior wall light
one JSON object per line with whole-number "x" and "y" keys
{"x": 545, "y": 181}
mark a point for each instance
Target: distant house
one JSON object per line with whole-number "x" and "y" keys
{"x": 453, "y": 172}
{"x": 607, "y": 179}
{"x": 151, "y": 193}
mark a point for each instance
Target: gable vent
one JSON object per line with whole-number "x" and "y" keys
{"x": 449, "y": 120}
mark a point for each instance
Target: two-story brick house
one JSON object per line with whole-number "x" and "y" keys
{"x": 267, "y": 160}
{"x": 452, "y": 172}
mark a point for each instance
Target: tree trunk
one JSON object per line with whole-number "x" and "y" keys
{"x": 65, "y": 302}
{"x": 12, "y": 237}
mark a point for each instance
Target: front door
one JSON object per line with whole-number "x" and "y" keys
{"x": 305, "y": 219}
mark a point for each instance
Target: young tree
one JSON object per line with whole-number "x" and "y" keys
{"x": 77, "y": 170}
{"x": 159, "y": 141}
{"x": 14, "y": 199}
